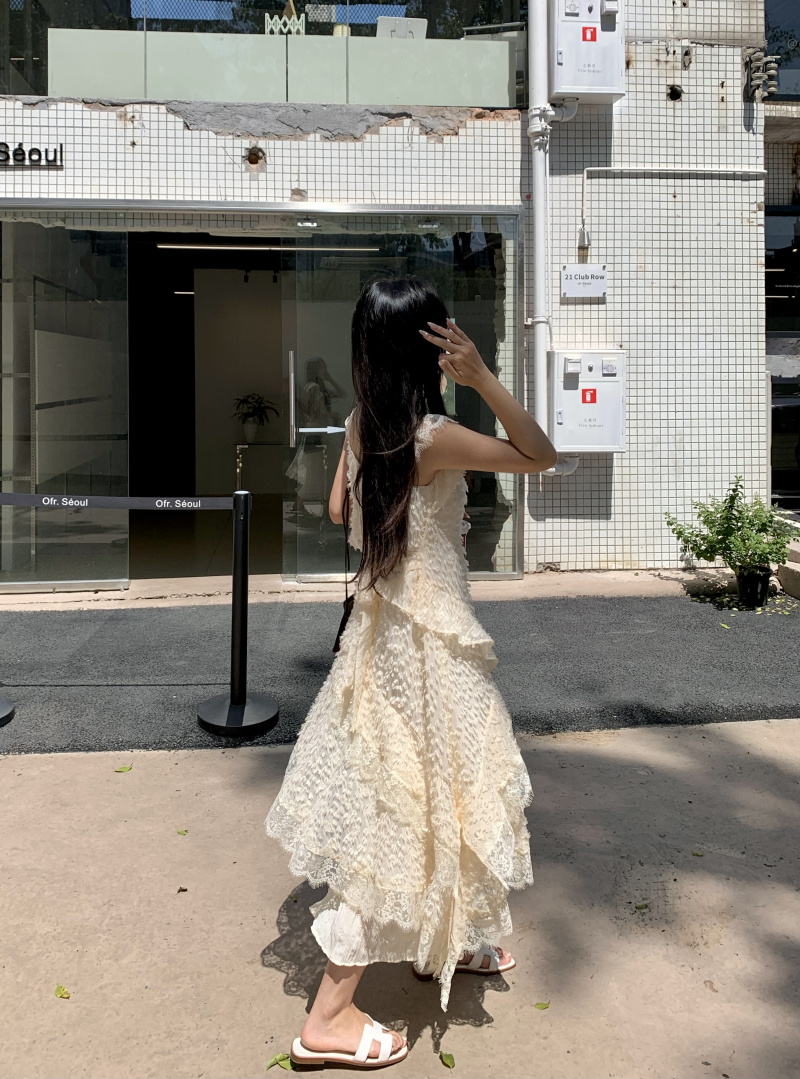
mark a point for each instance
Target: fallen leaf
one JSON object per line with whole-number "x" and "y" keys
{"x": 542, "y": 1005}
{"x": 62, "y": 992}
{"x": 183, "y": 831}
{"x": 724, "y": 626}
{"x": 181, "y": 889}
{"x": 643, "y": 906}
{"x": 124, "y": 768}
{"x": 697, "y": 853}
{"x": 447, "y": 1059}
{"x": 283, "y": 1060}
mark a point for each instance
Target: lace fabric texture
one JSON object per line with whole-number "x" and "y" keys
{"x": 405, "y": 792}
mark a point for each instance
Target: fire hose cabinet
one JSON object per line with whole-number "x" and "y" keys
{"x": 587, "y": 401}
{"x": 587, "y": 50}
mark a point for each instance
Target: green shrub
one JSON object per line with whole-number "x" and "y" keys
{"x": 743, "y": 534}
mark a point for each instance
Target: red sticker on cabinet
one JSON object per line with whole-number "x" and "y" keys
{"x": 590, "y": 33}
{"x": 589, "y": 397}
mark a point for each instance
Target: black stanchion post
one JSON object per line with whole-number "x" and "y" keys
{"x": 6, "y": 711}
{"x": 241, "y": 587}
{"x": 237, "y": 714}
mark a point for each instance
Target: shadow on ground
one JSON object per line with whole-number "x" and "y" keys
{"x": 664, "y": 918}
{"x": 394, "y": 994}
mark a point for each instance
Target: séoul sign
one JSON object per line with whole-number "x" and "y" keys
{"x": 32, "y": 157}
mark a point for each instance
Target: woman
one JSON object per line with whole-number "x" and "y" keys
{"x": 406, "y": 791}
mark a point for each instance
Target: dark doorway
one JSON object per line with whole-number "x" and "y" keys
{"x": 173, "y": 370}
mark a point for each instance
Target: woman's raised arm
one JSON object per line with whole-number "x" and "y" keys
{"x": 527, "y": 449}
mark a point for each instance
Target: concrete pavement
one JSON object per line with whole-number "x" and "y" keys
{"x": 662, "y": 927}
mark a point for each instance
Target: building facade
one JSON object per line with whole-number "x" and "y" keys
{"x": 178, "y": 243}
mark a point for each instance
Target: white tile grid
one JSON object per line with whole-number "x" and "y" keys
{"x": 143, "y": 151}
{"x": 720, "y": 22}
{"x": 685, "y": 257}
{"x": 782, "y": 162}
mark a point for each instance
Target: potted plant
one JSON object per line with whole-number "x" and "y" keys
{"x": 747, "y": 536}
{"x": 253, "y": 410}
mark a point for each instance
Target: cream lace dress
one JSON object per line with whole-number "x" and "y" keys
{"x": 405, "y": 792}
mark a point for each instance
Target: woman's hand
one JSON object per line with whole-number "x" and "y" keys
{"x": 460, "y": 360}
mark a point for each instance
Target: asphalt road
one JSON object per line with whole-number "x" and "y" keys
{"x": 102, "y": 680}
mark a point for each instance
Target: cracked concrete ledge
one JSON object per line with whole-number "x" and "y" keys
{"x": 334, "y": 123}
{"x": 271, "y": 588}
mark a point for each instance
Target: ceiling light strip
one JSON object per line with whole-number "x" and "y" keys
{"x": 261, "y": 247}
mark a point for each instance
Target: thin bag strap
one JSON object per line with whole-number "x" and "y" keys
{"x": 346, "y": 526}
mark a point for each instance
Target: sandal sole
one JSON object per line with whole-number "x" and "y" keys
{"x": 301, "y": 1055}
{"x": 466, "y": 970}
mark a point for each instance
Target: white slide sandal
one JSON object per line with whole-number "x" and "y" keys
{"x": 373, "y": 1032}
{"x": 474, "y": 966}
{"x": 495, "y": 966}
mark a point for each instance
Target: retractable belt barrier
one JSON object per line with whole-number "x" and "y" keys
{"x": 234, "y": 713}
{"x": 114, "y": 502}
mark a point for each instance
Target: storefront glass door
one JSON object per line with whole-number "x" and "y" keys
{"x": 225, "y": 312}
{"x": 474, "y": 263}
{"x": 63, "y": 403}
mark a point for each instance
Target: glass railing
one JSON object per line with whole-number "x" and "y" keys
{"x": 186, "y": 50}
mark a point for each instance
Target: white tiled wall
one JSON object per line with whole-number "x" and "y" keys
{"x": 684, "y": 250}
{"x": 721, "y": 22}
{"x": 685, "y": 255}
{"x": 147, "y": 152}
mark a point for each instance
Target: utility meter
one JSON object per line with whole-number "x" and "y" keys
{"x": 587, "y": 401}
{"x": 587, "y": 50}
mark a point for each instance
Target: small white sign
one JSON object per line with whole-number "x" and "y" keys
{"x": 583, "y": 279}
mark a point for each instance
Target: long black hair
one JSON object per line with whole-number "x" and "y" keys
{"x": 397, "y": 380}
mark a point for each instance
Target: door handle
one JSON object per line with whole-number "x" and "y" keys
{"x": 292, "y": 400}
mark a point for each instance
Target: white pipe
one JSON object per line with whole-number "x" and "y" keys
{"x": 565, "y": 466}
{"x": 540, "y": 116}
{"x": 567, "y": 110}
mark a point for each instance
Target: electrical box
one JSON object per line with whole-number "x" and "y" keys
{"x": 587, "y": 50}
{"x": 587, "y": 401}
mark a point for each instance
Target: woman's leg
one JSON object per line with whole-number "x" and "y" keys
{"x": 334, "y": 1022}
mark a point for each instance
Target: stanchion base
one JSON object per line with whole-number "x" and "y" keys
{"x": 257, "y": 716}
{"x": 6, "y": 711}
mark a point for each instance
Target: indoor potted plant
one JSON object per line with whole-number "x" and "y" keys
{"x": 747, "y": 536}
{"x": 253, "y": 410}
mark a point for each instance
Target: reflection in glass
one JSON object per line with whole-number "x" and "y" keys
{"x": 25, "y": 26}
{"x": 782, "y": 264}
{"x": 782, "y": 27}
{"x": 472, "y": 263}
{"x": 63, "y": 401}
{"x": 782, "y": 238}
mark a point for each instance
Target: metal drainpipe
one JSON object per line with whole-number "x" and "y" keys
{"x": 540, "y": 117}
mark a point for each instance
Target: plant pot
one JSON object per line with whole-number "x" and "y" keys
{"x": 250, "y": 430}
{"x": 753, "y": 586}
